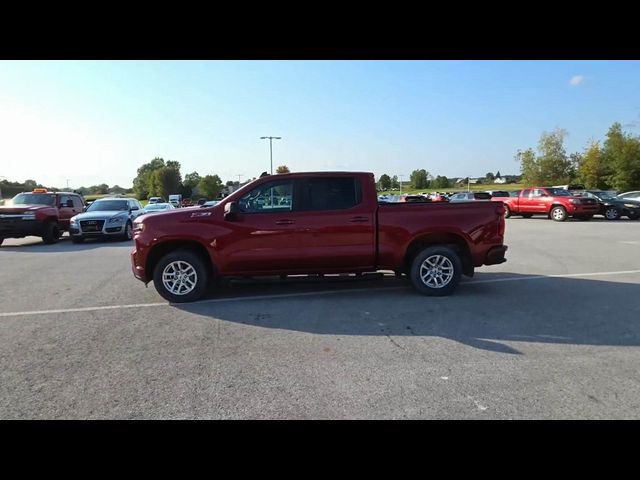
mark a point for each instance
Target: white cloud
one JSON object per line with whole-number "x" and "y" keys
{"x": 576, "y": 80}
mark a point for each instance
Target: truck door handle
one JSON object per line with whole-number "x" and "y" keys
{"x": 358, "y": 219}
{"x": 285, "y": 221}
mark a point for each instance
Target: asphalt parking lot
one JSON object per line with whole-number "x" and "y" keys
{"x": 554, "y": 333}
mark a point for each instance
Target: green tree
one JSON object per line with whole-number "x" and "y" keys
{"x": 498, "y": 175}
{"x": 394, "y": 182}
{"x": 190, "y": 184}
{"x": 529, "y": 167}
{"x": 490, "y": 177}
{"x": 384, "y": 181}
{"x": 210, "y": 186}
{"x": 142, "y": 182}
{"x": 283, "y": 169}
{"x": 164, "y": 182}
{"x": 555, "y": 165}
{"x": 419, "y": 179}
{"x": 621, "y": 154}
{"x": 592, "y": 169}
{"x": 441, "y": 182}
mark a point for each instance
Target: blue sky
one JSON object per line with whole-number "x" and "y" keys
{"x": 98, "y": 121}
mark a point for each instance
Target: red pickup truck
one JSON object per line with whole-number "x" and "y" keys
{"x": 556, "y": 203}
{"x": 315, "y": 223}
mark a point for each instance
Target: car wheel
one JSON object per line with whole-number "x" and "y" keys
{"x": 612, "y": 213}
{"x": 51, "y": 232}
{"x": 527, "y": 215}
{"x": 507, "y": 211}
{"x": 128, "y": 232}
{"x": 558, "y": 214}
{"x": 181, "y": 276}
{"x": 77, "y": 239}
{"x": 436, "y": 271}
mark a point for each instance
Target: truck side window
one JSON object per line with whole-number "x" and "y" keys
{"x": 525, "y": 193}
{"x": 77, "y": 203}
{"x": 537, "y": 192}
{"x": 268, "y": 198}
{"x": 332, "y": 193}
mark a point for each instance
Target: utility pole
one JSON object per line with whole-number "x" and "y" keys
{"x": 67, "y": 184}
{"x": 239, "y": 175}
{"x": 468, "y": 184}
{"x": 271, "y": 148}
{"x": 401, "y": 184}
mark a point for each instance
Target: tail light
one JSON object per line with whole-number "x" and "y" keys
{"x": 500, "y": 210}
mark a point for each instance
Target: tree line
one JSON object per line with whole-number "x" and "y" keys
{"x": 613, "y": 164}
{"x": 421, "y": 179}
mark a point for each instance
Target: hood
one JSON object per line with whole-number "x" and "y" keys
{"x": 22, "y": 208}
{"x": 101, "y": 215}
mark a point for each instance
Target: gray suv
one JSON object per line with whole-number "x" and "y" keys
{"x": 106, "y": 217}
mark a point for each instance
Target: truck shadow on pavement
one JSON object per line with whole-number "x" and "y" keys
{"x": 487, "y": 312}
{"x": 36, "y": 245}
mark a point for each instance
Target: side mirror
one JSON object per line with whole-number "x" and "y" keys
{"x": 134, "y": 208}
{"x": 230, "y": 211}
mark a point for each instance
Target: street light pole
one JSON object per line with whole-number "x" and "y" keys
{"x": 271, "y": 149}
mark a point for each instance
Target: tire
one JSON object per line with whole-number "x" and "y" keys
{"x": 191, "y": 265}
{"x": 558, "y": 214}
{"x": 527, "y": 215}
{"x": 128, "y": 232}
{"x": 1, "y": 240}
{"x": 612, "y": 213}
{"x": 437, "y": 259}
{"x": 507, "y": 211}
{"x": 77, "y": 239}
{"x": 51, "y": 233}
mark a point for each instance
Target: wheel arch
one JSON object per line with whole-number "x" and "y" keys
{"x": 160, "y": 250}
{"x": 446, "y": 239}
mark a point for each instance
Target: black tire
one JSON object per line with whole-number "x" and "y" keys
{"x": 507, "y": 211}
{"x": 51, "y": 233}
{"x": 128, "y": 232}
{"x": 188, "y": 262}
{"x": 527, "y": 215}
{"x": 77, "y": 239}
{"x": 558, "y": 214}
{"x": 1, "y": 240}
{"x": 612, "y": 213}
{"x": 449, "y": 265}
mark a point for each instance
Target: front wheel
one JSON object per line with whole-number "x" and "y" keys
{"x": 558, "y": 214}
{"x": 436, "y": 271}
{"x": 612, "y": 213}
{"x": 128, "y": 233}
{"x": 51, "y": 232}
{"x": 181, "y": 276}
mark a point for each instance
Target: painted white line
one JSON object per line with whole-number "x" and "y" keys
{"x": 213, "y": 300}
{"x": 563, "y": 275}
{"x": 302, "y": 294}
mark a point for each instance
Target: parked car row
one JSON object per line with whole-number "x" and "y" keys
{"x": 558, "y": 203}
{"x": 48, "y": 215}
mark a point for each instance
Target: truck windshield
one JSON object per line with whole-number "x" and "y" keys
{"x": 605, "y": 196}
{"x": 559, "y": 192}
{"x": 109, "y": 205}
{"x": 33, "y": 199}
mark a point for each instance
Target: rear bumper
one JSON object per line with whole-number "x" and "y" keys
{"x": 496, "y": 255}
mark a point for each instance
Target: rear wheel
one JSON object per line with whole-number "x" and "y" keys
{"x": 51, "y": 232}
{"x": 507, "y": 211}
{"x": 612, "y": 213}
{"x": 181, "y": 276}
{"x": 436, "y": 271}
{"x": 558, "y": 214}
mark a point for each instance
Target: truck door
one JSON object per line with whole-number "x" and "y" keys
{"x": 539, "y": 201}
{"x": 336, "y": 224}
{"x": 66, "y": 209}
{"x": 264, "y": 234}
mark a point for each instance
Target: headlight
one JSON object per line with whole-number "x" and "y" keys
{"x": 116, "y": 220}
{"x": 138, "y": 227}
{"x": 631, "y": 205}
{"x": 73, "y": 221}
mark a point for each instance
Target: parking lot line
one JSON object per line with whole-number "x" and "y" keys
{"x": 302, "y": 294}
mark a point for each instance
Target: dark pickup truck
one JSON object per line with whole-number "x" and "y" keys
{"x": 41, "y": 213}
{"x": 316, "y": 223}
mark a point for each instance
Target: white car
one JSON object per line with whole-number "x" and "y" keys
{"x": 158, "y": 208}
{"x": 634, "y": 195}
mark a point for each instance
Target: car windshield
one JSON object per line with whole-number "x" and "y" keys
{"x": 559, "y": 192}
{"x": 33, "y": 199}
{"x": 157, "y": 206}
{"x": 605, "y": 196}
{"x": 109, "y": 205}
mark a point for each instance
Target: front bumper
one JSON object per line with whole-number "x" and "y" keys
{"x": 585, "y": 209}
{"x": 18, "y": 228}
{"x": 495, "y": 255}
{"x": 103, "y": 230}
{"x": 137, "y": 266}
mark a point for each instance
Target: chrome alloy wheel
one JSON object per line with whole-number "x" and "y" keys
{"x": 436, "y": 271}
{"x": 179, "y": 278}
